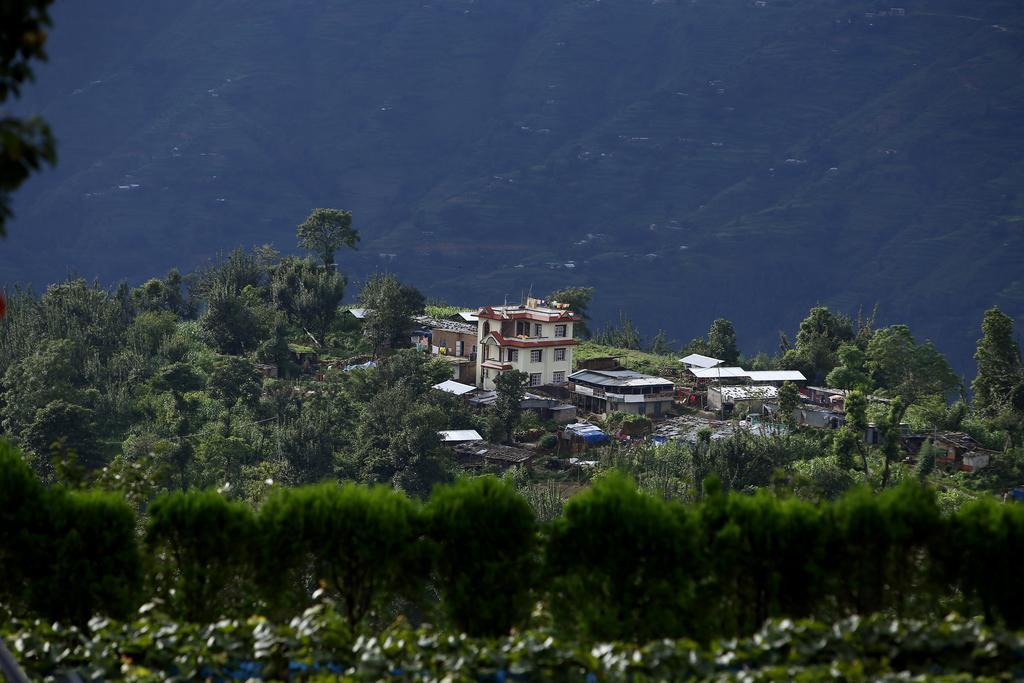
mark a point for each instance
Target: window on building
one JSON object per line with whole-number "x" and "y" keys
{"x": 558, "y": 377}
{"x": 537, "y": 329}
{"x": 560, "y": 330}
{"x": 460, "y": 348}
{"x": 537, "y": 355}
{"x": 559, "y": 354}
{"x": 487, "y": 373}
{"x": 513, "y": 355}
{"x": 534, "y": 379}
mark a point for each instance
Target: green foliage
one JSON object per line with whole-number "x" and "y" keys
{"x": 722, "y": 341}
{"x": 23, "y": 529}
{"x": 851, "y": 373}
{"x": 92, "y": 562}
{"x": 789, "y": 402}
{"x": 625, "y": 335}
{"x": 25, "y": 143}
{"x": 818, "y": 340}
{"x": 325, "y": 231}
{"x": 390, "y": 306}
{"x": 511, "y": 388}
{"x": 597, "y": 587}
{"x": 361, "y": 544}
{"x": 235, "y": 381}
{"x": 999, "y": 363}
{"x": 207, "y": 545}
{"x": 308, "y": 294}
{"x": 897, "y": 363}
{"x": 71, "y": 425}
{"x": 485, "y": 538}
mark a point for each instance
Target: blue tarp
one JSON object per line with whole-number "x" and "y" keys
{"x": 588, "y": 432}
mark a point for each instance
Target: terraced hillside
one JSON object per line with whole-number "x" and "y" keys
{"x": 690, "y": 158}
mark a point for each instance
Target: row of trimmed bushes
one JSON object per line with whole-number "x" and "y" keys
{"x": 617, "y": 565}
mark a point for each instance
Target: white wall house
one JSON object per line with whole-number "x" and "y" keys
{"x": 535, "y": 338}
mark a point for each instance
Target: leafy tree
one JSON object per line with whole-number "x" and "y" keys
{"x": 906, "y": 368}
{"x": 207, "y": 544}
{"x": 156, "y": 295}
{"x": 624, "y": 336}
{"x": 398, "y": 442}
{"x": 511, "y": 388}
{"x": 25, "y": 143}
{"x": 661, "y": 345}
{"x": 578, "y": 299}
{"x": 60, "y": 421}
{"x": 325, "y": 231}
{"x": 48, "y": 374}
{"x": 925, "y": 461}
{"x": 818, "y": 340}
{"x": 999, "y": 363}
{"x": 390, "y": 306}
{"x": 789, "y": 402}
{"x": 149, "y": 330}
{"x": 486, "y": 535}
{"x": 235, "y": 381}
{"x": 23, "y": 529}
{"x": 308, "y": 295}
{"x": 889, "y": 429}
{"x": 851, "y": 372}
{"x": 360, "y": 543}
{"x": 235, "y": 322}
{"x": 722, "y": 341}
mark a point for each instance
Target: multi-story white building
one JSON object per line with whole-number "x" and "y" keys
{"x": 535, "y": 338}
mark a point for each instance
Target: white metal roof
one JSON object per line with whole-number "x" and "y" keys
{"x": 453, "y": 387}
{"x": 776, "y": 376}
{"x": 740, "y": 393}
{"x": 358, "y": 313}
{"x": 451, "y": 435}
{"x": 468, "y": 316}
{"x": 618, "y": 378}
{"x": 716, "y": 372}
{"x": 695, "y": 360}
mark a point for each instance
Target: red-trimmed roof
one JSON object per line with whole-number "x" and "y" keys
{"x": 529, "y": 343}
{"x": 526, "y": 314}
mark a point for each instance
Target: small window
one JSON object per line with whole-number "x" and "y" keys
{"x": 537, "y": 329}
{"x": 558, "y": 377}
{"x": 513, "y": 355}
{"x": 560, "y": 330}
{"x": 535, "y": 379}
{"x": 559, "y": 354}
{"x": 537, "y": 355}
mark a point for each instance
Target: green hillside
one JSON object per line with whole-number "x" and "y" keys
{"x": 690, "y": 159}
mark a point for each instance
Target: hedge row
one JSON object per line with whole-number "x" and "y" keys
{"x": 618, "y": 565}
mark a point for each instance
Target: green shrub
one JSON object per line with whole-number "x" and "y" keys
{"x": 362, "y": 544}
{"x": 485, "y": 537}
{"x": 94, "y": 565}
{"x": 548, "y": 441}
{"x": 205, "y": 545}
{"x": 983, "y": 552}
{"x": 623, "y": 565}
{"x": 24, "y": 529}
{"x": 764, "y": 559}
{"x": 879, "y": 550}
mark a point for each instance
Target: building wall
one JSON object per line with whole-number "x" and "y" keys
{"x": 546, "y": 367}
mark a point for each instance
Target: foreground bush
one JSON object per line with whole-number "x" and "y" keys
{"x": 361, "y": 544}
{"x": 485, "y": 536}
{"x": 623, "y": 565}
{"x": 205, "y": 546}
{"x": 151, "y": 648}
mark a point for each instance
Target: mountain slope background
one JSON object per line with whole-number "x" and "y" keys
{"x": 690, "y": 159}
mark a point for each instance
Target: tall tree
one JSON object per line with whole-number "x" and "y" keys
{"x": 578, "y": 299}
{"x": 325, "y": 231}
{"x": 999, "y": 363}
{"x": 390, "y": 306}
{"x": 851, "y": 372}
{"x": 908, "y": 369}
{"x": 25, "y": 143}
{"x": 818, "y": 340}
{"x": 722, "y": 341}
{"x": 789, "y": 401}
{"x": 308, "y": 295}
{"x": 508, "y": 406}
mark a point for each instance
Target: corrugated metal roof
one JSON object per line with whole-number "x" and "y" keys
{"x": 739, "y": 393}
{"x": 450, "y": 435}
{"x": 776, "y": 376}
{"x": 453, "y": 387}
{"x": 718, "y": 372}
{"x": 617, "y": 378}
{"x": 696, "y": 360}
